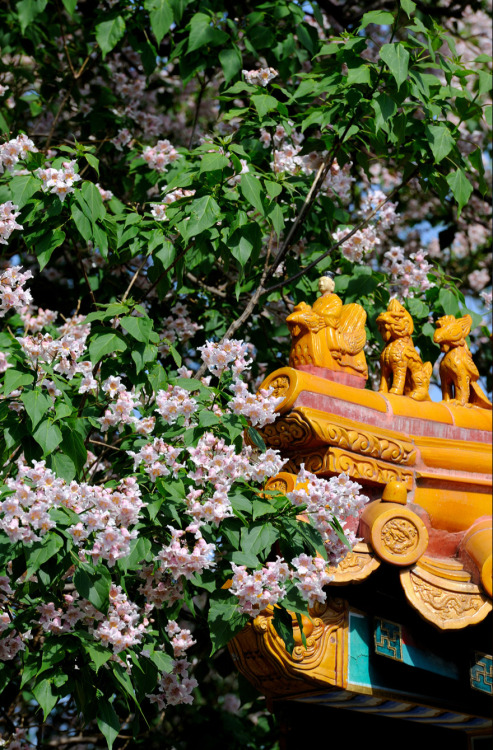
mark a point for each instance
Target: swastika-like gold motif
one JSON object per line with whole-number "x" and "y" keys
{"x": 261, "y": 656}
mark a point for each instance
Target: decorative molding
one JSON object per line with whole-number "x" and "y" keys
{"x": 355, "y": 566}
{"x": 260, "y": 654}
{"x": 448, "y": 604}
{"x": 306, "y": 427}
{"x": 335, "y": 461}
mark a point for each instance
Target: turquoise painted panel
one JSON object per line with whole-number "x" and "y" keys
{"x": 395, "y": 642}
{"x": 361, "y": 671}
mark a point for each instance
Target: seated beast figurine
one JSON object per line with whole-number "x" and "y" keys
{"x": 402, "y": 370}
{"x": 458, "y": 373}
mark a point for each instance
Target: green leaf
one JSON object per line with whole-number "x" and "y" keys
{"x": 82, "y": 223}
{"x": 408, "y": 6}
{"x": 70, "y": 6}
{"x": 441, "y": 141}
{"x": 106, "y": 343}
{"x": 47, "y": 244}
{"x": 109, "y": 33}
{"x": 385, "y": 108}
{"x": 41, "y": 552}
{"x": 22, "y": 187}
{"x": 98, "y": 654}
{"x": 396, "y": 57}
{"x": 63, "y": 466}
{"x": 73, "y": 447}
{"x": 449, "y": 302}
{"x": 204, "y": 213}
{"x": 359, "y": 75}
{"x": 94, "y": 585}
{"x": 379, "y": 17}
{"x": 224, "y": 619}
{"x": 258, "y": 538}
{"x": 138, "y": 327}
{"x": 231, "y": 62}
{"x": 211, "y": 162}
{"x": 37, "y": 404}
{"x": 140, "y": 549}
{"x": 43, "y": 692}
{"x": 264, "y": 103}
{"x": 460, "y": 187}
{"x": 273, "y": 188}
{"x": 487, "y": 114}
{"x": 202, "y": 32}
{"x": 93, "y": 200}
{"x": 160, "y": 16}
{"x": 251, "y": 189}
{"x": 93, "y": 161}
{"x": 108, "y": 722}
{"x": 245, "y": 241}
{"x": 283, "y": 623}
{"x": 256, "y": 438}
{"x": 48, "y": 436}
{"x": 27, "y": 10}
{"x": 15, "y": 379}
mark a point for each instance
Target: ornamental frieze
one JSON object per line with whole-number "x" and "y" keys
{"x": 305, "y": 427}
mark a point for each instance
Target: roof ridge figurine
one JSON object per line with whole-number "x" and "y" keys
{"x": 328, "y": 334}
{"x": 402, "y": 369}
{"x": 458, "y": 373}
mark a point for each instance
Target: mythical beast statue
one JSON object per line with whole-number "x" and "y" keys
{"x": 458, "y": 373}
{"x": 402, "y": 370}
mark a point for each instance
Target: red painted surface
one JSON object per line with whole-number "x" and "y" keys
{"x": 405, "y": 425}
{"x": 337, "y": 377}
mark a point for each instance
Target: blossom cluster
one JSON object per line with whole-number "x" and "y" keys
{"x": 8, "y": 214}
{"x": 10, "y": 643}
{"x": 176, "y": 687}
{"x": 12, "y": 294}
{"x": 59, "y": 181}
{"x": 287, "y": 157}
{"x": 158, "y": 210}
{"x": 408, "y": 275}
{"x": 326, "y": 499}
{"x": 178, "y": 327}
{"x": 218, "y": 357}
{"x": 310, "y": 576}
{"x": 259, "y": 408}
{"x": 105, "y": 514}
{"x": 257, "y": 590}
{"x": 159, "y": 156}
{"x": 15, "y": 150}
{"x": 260, "y": 77}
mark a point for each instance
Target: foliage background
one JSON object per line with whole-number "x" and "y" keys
{"x": 399, "y": 95}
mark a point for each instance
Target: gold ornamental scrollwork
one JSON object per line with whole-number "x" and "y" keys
{"x": 400, "y": 536}
{"x": 305, "y": 427}
{"x": 335, "y": 461}
{"x": 355, "y": 566}
{"x": 448, "y": 604}
{"x": 260, "y": 653}
{"x": 288, "y": 432}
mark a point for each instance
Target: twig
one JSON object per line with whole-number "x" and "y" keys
{"x": 346, "y": 237}
{"x": 203, "y": 85}
{"x": 134, "y": 279}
